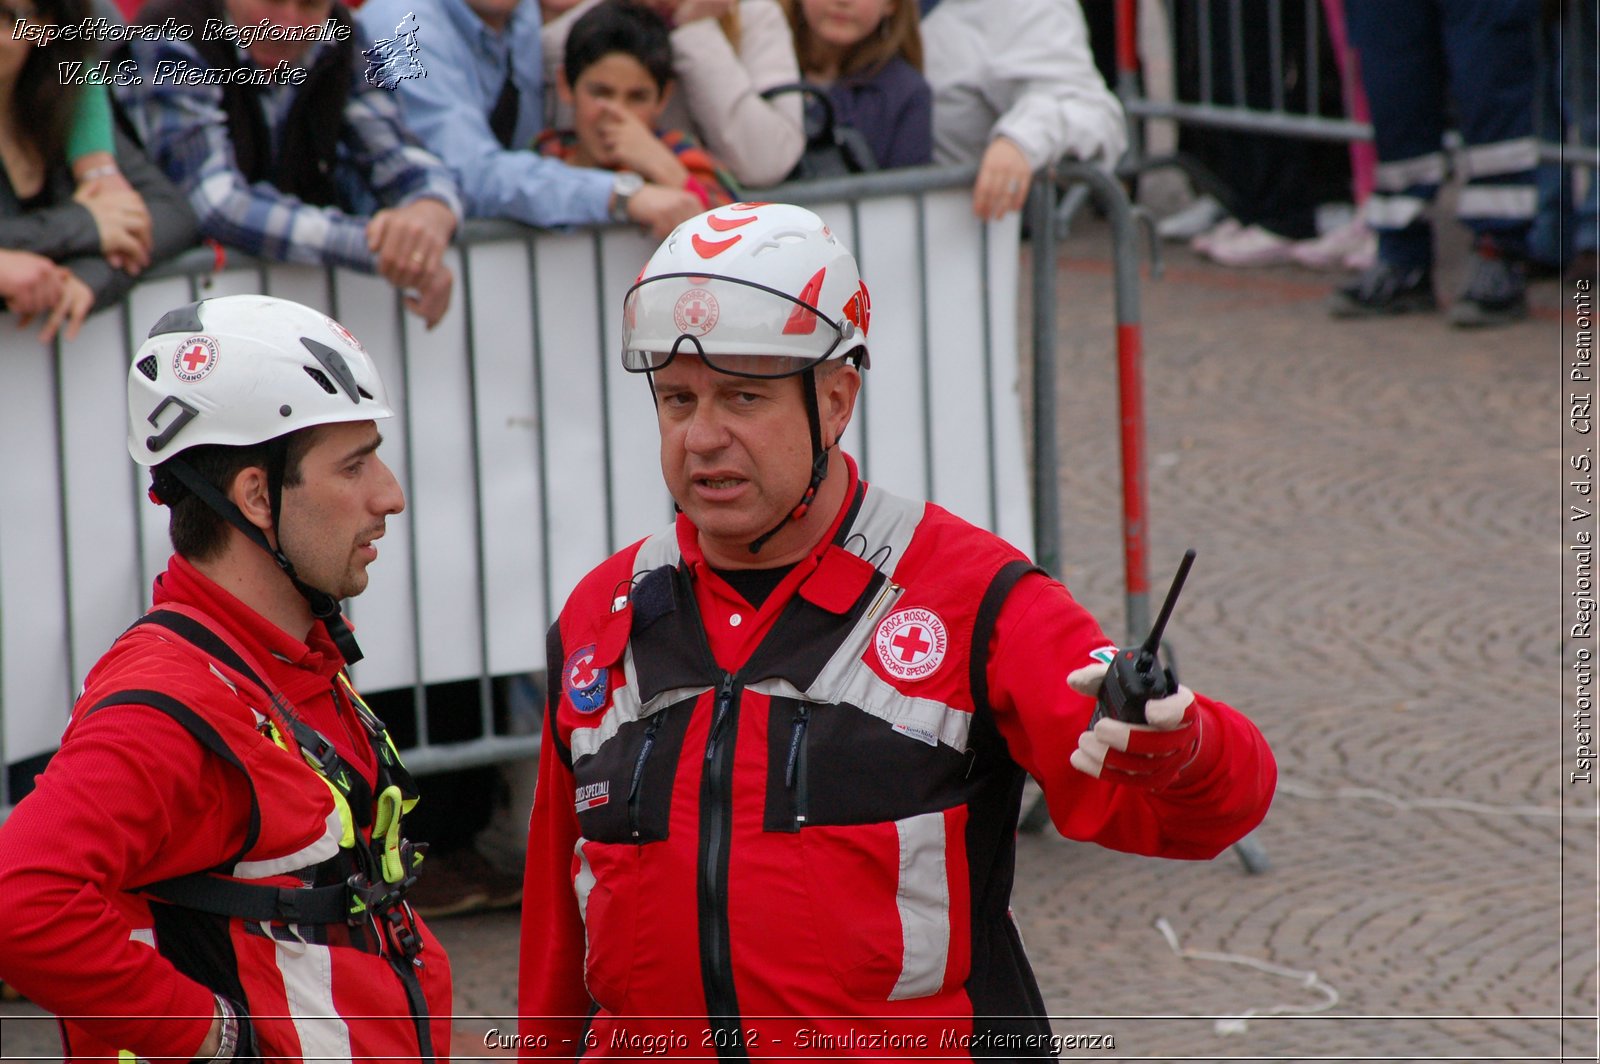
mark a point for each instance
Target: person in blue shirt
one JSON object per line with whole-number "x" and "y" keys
{"x": 479, "y": 108}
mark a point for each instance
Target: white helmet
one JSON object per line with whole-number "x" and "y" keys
{"x": 240, "y": 370}
{"x": 756, "y": 289}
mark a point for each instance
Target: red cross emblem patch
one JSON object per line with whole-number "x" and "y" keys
{"x": 911, "y": 643}
{"x": 696, "y": 312}
{"x": 195, "y": 359}
{"x": 345, "y": 334}
{"x": 584, "y": 680}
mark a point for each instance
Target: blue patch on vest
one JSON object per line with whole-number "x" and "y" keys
{"x": 585, "y": 683}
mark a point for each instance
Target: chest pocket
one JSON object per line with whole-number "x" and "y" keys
{"x": 623, "y": 790}
{"x": 834, "y": 765}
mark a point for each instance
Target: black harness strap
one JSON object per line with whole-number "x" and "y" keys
{"x": 254, "y": 901}
{"x": 313, "y": 742}
{"x": 204, "y": 892}
{"x": 193, "y": 631}
{"x": 220, "y": 897}
{"x": 205, "y": 735}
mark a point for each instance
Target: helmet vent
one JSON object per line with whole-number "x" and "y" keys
{"x": 322, "y": 380}
{"x": 336, "y": 366}
{"x": 363, "y": 392}
{"x": 147, "y": 366}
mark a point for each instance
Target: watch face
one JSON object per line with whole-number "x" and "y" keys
{"x": 628, "y": 183}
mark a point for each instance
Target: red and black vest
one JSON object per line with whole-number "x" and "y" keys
{"x": 305, "y": 927}
{"x": 810, "y": 851}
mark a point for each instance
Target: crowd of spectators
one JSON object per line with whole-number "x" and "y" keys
{"x": 362, "y": 136}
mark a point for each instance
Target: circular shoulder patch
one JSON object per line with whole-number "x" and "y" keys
{"x": 195, "y": 359}
{"x": 911, "y": 643}
{"x": 584, "y": 683}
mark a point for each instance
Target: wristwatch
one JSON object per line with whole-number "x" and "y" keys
{"x": 228, "y": 1041}
{"x": 622, "y": 190}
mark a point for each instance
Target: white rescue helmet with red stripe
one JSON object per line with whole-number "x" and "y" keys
{"x": 756, "y": 289}
{"x": 240, "y": 370}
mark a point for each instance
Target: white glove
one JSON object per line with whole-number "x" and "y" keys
{"x": 1152, "y": 755}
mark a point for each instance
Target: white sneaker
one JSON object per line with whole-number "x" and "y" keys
{"x": 1332, "y": 250}
{"x": 1193, "y": 220}
{"x": 1250, "y": 246}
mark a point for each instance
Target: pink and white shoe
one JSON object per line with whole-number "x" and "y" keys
{"x": 1333, "y": 249}
{"x": 1250, "y": 246}
{"x": 1202, "y": 243}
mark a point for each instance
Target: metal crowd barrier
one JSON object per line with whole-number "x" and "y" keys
{"x": 1219, "y": 99}
{"x": 526, "y": 454}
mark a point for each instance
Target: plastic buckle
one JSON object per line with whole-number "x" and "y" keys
{"x": 373, "y": 899}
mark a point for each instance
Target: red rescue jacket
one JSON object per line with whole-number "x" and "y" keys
{"x": 789, "y": 830}
{"x": 181, "y": 844}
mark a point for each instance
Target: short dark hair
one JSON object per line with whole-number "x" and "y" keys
{"x": 620, "y": 26}
{"x": 197, "y": 531}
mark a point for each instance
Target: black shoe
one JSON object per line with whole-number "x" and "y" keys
{"x": 1496, "y": 293}
{"x": 1383, "y": 290}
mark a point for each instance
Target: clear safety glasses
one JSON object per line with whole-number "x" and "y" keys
{"x": 738, "y": 327}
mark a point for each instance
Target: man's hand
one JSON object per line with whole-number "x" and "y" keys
{"x": 632, "y": 145}
{"x": 409, "y": 242}
{"x": 30, "y": 284}
{"x": 123, "y": 220}
{"x": 213, "y": 1042}
{"x": 1149, "y": 756}
{"x": 660, "y": 209}
{"x": 1002, "y": 184}
{"x": 432, "y": 298}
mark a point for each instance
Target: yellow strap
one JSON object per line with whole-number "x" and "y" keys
{"x": 347, "y": 838}
{"x": 386, "y": 822}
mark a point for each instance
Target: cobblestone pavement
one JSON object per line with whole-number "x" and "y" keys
{"x": 1377, "y": 511}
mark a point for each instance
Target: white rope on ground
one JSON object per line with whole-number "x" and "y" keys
{"x": 1301, "y": 790}
{"x": 1237, "y": 1024}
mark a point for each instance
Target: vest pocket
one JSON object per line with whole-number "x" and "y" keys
{"x": 886, "y": 901}
{"x": 623, "y": 791}
{"x": 606, "y": 885}
{"x": 836, "y": 764}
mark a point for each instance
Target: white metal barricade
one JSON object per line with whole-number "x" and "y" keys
{"x": 526, "y": 453}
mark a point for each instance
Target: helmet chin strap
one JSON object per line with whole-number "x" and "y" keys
{"x": 819, "y": 462}
{"x": 324, "y": 607}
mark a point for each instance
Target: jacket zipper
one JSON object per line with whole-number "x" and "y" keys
{"x": 794, "y": 773}
{"x": 638, "y": 774}
{"x": 716, "y": 800}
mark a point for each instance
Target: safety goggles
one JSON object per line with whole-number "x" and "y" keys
{"x": 738, "y": 327}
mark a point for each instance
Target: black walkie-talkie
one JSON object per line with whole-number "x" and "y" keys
{"x": 1134, "y": 677}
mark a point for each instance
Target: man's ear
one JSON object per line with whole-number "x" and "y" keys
{"x": 837, "y": 389}
{"x": 249, "y": 493}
